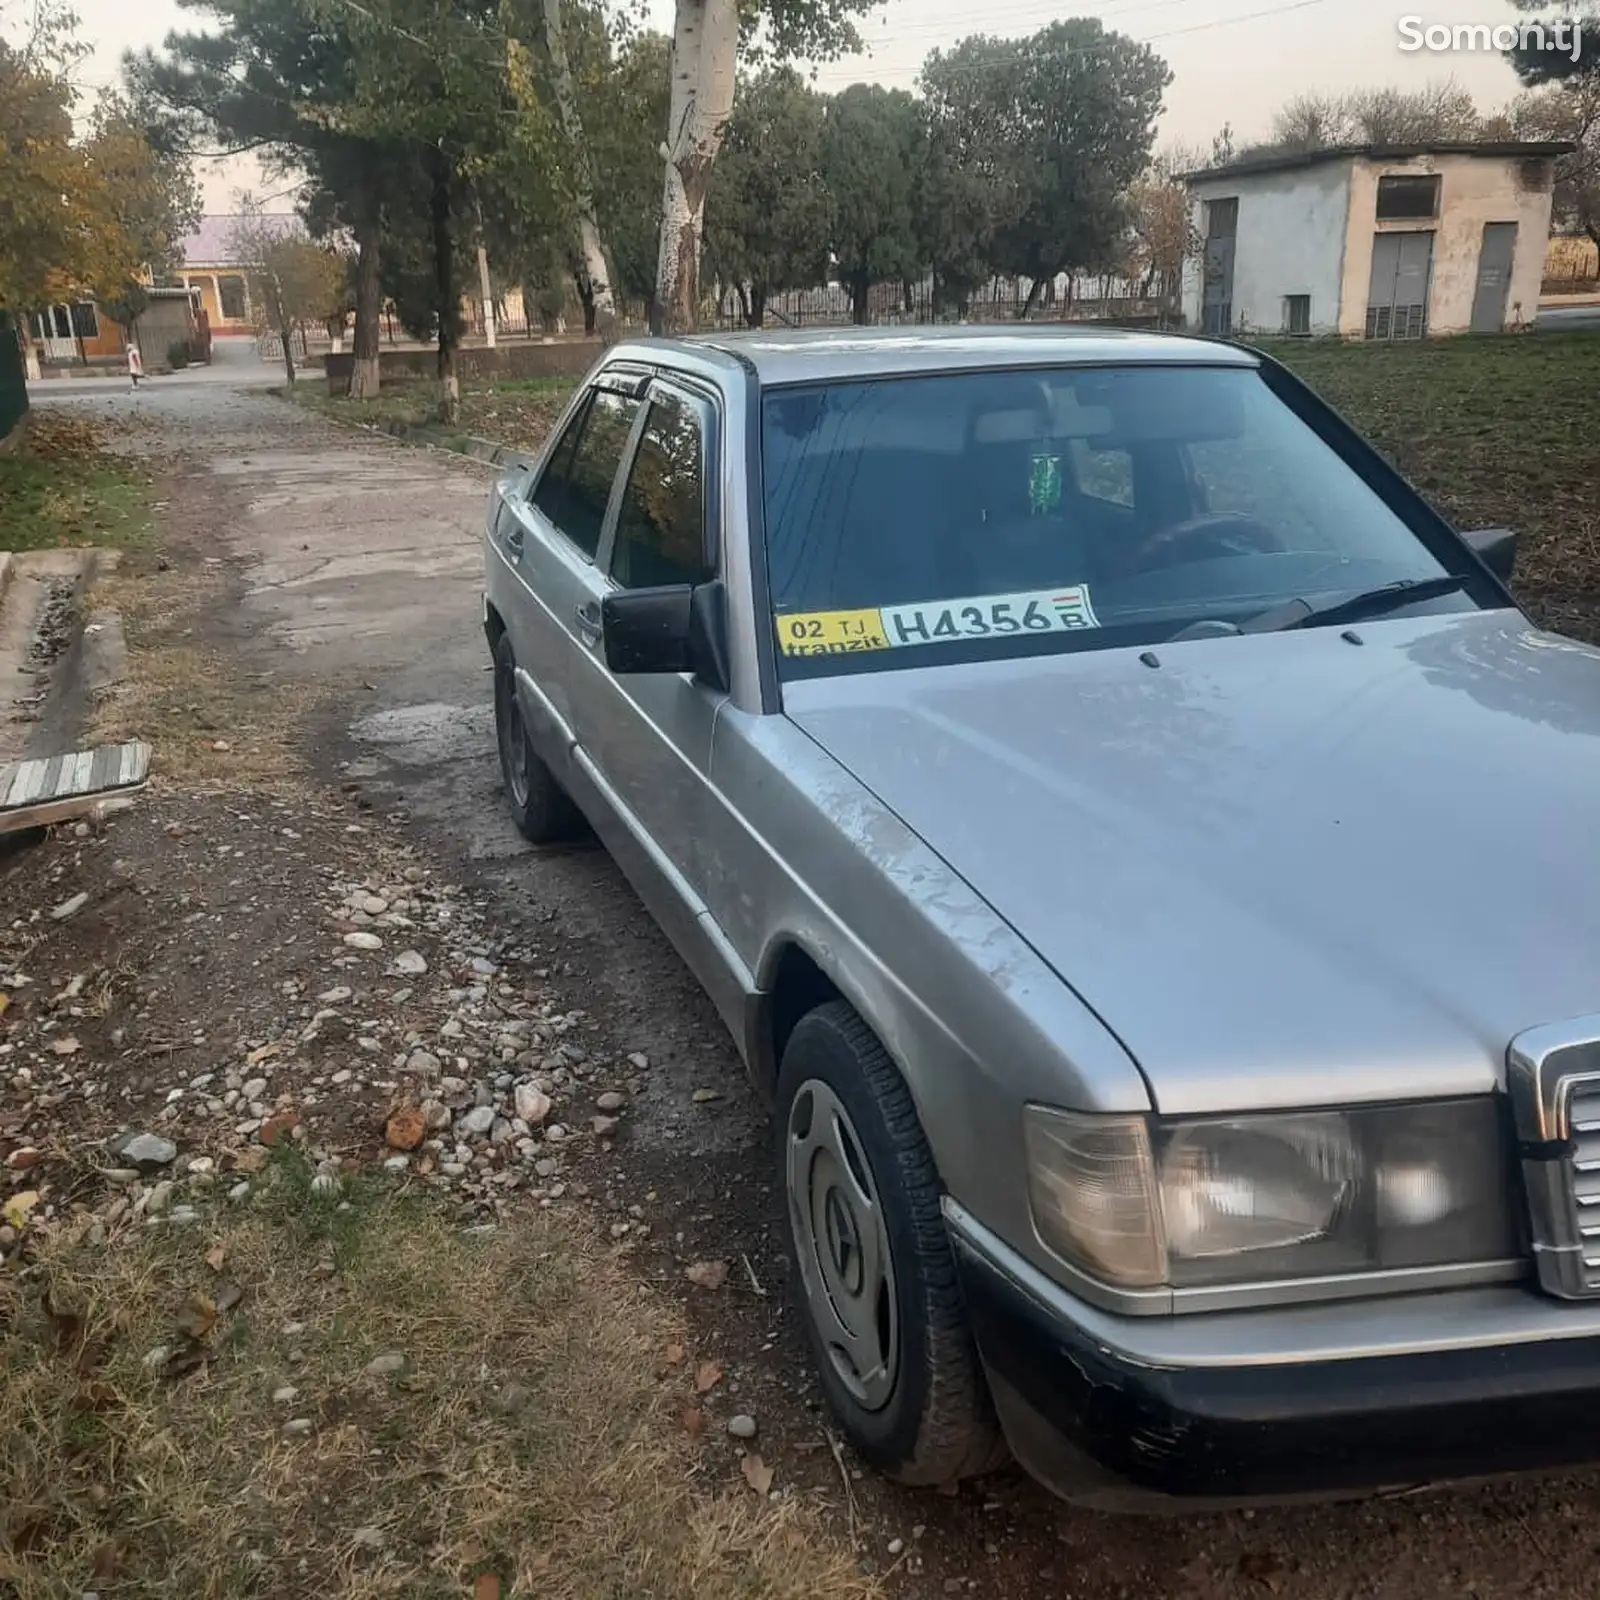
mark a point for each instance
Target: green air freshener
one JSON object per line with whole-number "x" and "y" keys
{"x": 1044, "y": 484}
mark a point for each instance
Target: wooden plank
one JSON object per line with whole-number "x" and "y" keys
{"x": 56, "y": 788}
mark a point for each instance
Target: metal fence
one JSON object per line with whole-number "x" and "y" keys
{"x": 1065, "y": 299}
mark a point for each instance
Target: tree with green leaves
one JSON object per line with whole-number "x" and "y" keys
{"x": 294, "y": 283}
{"x": 705, "y": 58}
{"x": 274, "y": 77}
{"x": 1066, "y": 119}
{"x": 769, "y": 215}
{"x": 82, "y": 215}
{"x": 869, "y": 154}
{"x": 1546, "y": 61}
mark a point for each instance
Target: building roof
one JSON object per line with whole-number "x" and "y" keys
{"x": 211, "y": 244}
{"x": 816, "y": 355}
{"x": 1289, "y": 161}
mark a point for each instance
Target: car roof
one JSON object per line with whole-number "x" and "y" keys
{"x": 812, "y": 355}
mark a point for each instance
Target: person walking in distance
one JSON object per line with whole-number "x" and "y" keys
{"x": 135, "y": 367}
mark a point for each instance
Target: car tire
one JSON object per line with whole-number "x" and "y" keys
{"x": 540, "y": 807}
{"x": 873, "y": 1268}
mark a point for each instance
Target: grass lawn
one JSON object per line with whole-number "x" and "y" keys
{"x": 1496, "y": 432}
{"x": 518, "y": 413}
{"x": 63, "y": 488}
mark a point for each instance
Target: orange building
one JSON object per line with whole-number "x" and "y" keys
{"x": 211, "y": 264}
{"x": 75, "y": 333}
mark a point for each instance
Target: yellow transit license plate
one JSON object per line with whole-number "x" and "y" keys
{"x": 829, "y": 633}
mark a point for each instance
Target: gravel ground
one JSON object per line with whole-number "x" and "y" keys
{"x": 349, "y": 567}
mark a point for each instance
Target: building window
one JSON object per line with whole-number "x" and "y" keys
{"x": 1297, "y": 315}
{"x": 85, "y": 324}
{"x": 1408, "y": 199}
{"x": 1222, "y": 219}
{"x": 230, "y": 296}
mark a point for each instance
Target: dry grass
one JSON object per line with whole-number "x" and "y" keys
{"x": 185, "y": 695}
{"x": 531, "y": 1434}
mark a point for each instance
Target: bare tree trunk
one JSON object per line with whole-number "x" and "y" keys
{"x": 861, "y": 299}
{"x": 589, "y": 239}
{"x": 445, "y": 289}
{"x": 705, "y": 55}
{"x": 281, "y": 317}
{"x": 364, "y": 375}
{"x": 1032, "y": 300}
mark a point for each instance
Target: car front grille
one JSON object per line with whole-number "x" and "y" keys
{"x": 1583, "y": 1177}
{"x": 1553, "y": 1080}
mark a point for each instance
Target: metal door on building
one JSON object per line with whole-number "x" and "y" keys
{"x": 1494, "y": 277}
{"x": 1397, "y": 300}
{"x": 1216, "y": 304}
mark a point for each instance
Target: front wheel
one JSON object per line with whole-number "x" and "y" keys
{"x": 540, "y": 807}
{"x": 874, "y": 1270}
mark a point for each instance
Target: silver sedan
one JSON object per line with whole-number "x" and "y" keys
{"x": 1147, "y": 859}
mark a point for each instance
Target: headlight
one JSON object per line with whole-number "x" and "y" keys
{"x": 1141, "y": 1202}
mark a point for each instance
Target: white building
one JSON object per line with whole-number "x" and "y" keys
{"x": 1376, "y": 242}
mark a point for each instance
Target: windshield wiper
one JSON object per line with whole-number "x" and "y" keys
{"x": 1358, "y": 608}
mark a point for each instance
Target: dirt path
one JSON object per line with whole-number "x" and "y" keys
{"x": 340, "y": 608}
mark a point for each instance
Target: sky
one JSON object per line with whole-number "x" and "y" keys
{"x": 1233, "y": 60}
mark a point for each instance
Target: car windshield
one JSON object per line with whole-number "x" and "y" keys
{"x": 990, "y": 514}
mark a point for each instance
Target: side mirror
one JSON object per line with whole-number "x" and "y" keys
{"x": 680, "y": 628}
{"x": 1496, "y": 548}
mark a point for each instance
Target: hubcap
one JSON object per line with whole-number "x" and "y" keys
{"x": 513, "y": 739}
{"x": 843, "y": 1245}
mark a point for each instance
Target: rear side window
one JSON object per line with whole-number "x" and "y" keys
{"x": 576, "y": 486}
{"x": 661, "y": 532}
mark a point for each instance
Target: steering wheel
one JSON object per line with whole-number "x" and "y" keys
{"x": 1207, "y": 537}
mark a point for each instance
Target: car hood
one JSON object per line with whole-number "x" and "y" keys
{"x": 1284, "y": 869}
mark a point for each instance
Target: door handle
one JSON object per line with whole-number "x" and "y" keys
{"x": 587, "y": 617}
{"x": 514, "y": 543}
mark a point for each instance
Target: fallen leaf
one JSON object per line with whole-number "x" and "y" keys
{"x": 707, "y": 1274}
{"x": 191, "y": 1358}
{"x": 704, "y": 1097}
{"x": 486, "y": 1586}
{"x": 1262, "y": 1566}
{"x": 67, "y": 1325}
{"x": 217, "y": 1257}
{"x": 707, "y": 1378}
{"x": 675, "y": 1355}
{"x": 279, "y": 1127}
{"x": 694, "y": 1421}
{"x": 256, "y": 1057}
{"x": 252, "y": 1159}
{"x": 66, "y": 1045}
{"x": 757, "y": 1474}
{"x": 108, "y": 1561}
{"x": 198, "y": 1317}
{"x": 5, "y": 1002}
{"x": 96, "y": 1395}
{"x": 404, "y": 1129}
{"x": 16, "y": 1209}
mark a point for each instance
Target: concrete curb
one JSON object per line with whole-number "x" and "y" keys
{"x": 461, "y": 444}
{"x": 105, "y": 653}
{"x": 435, "y": 438}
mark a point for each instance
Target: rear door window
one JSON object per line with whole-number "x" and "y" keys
{"x": 575, "y": 489}
{"x": 661, "y": 529}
